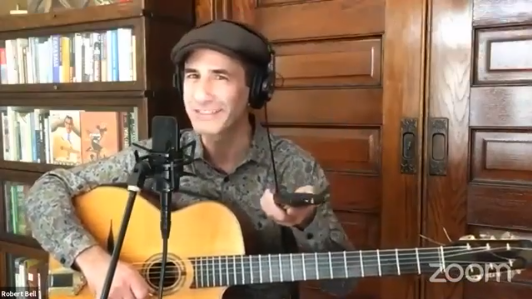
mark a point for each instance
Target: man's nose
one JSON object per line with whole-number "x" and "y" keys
{"x": 203, "y": 90}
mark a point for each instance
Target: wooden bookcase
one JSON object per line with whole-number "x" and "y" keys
{"x": 137, "y": 86}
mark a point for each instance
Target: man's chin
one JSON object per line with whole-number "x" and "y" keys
{"x": 206, "y": 130}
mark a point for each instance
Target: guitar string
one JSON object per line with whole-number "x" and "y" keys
{"x": 371, "y": 262}
{"x": 334, "y": 254}
{"x": 350, "y": 255}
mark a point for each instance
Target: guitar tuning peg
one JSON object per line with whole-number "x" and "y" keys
{"x": 507, "y": 235}
{"x": 467, "y": 237}
{"x": 492, "y": 237}
{"x": 518, "y": 271}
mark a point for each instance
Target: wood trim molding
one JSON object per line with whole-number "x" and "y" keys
{"x": 221, "y": 9}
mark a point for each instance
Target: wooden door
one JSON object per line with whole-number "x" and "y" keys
{"x": 349, "y": 72}
{"x": 480, "y": 81}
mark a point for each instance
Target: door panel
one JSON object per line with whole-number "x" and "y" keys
{"x": 346, "y": 78}
{"x": 480, "y": 77}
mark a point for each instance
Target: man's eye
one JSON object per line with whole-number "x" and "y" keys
{"x": 221, "y": 77}
{"x": 192, "y": 76}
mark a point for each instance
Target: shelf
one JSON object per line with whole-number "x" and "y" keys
{"x": 181, "y": 12}
{"x": 19, "y": 241}
{"x": 36, "y": 168}
{"x": 104, "y": 13}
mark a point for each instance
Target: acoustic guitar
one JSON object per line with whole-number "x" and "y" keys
{"x": 207, "y": 251}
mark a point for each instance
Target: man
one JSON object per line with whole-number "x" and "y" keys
{"x": 66, "y": 143}
{"x": 232, "y": 164}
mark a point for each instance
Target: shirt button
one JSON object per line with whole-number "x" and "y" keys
{"x": 62, "y": 260}
{"x": 226, "y": 179}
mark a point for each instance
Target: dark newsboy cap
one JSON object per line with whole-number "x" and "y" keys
{"x": 224, "y": 37}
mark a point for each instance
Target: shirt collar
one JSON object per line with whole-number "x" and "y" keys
{"x": 259, "y": 148}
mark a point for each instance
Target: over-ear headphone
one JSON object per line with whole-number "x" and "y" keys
{"x": 262, "y": 83}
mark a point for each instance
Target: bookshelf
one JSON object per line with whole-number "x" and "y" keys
{"x": 77, "y": 85}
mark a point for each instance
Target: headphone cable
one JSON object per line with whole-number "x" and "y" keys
{"x": 272, "y": 158}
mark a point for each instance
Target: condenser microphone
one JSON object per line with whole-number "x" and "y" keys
{"x": 166, "y": 158}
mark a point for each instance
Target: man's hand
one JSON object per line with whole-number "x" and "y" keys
{"x": 288, "y": 216}
{"x": 127, "y": 281}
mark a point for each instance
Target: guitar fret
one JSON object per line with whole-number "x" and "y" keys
{"x": 317, "y": 265}
{"x": 442, "y": 258}
{"x": 418, "y": 263}
{"x": 397, "y": 261}
{"x": 270, "y": 267}
{"x": 251, "y": 268}
{"x": 379, "y": 262}
{"x": 201, "y": 273}
{"x": 242, "y": 266}
{"x": 303, "y": 264}
{"x": 210, "y": 268}
{"x": 345, "y": 265}
{"x": 280, "y": 268}
{"x": 292, "y": 268}
{"x": 226, "y": 269}
{"x": 260, "y": 269}
{"x": 331, "y": 266}
{"x": 220, "y": 270}
{"x": 361, "y": 264}
{"x": 234, "y": 268}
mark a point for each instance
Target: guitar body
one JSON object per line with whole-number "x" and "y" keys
{"x": 208, "y": 240}
{"x": 203, "y": 229}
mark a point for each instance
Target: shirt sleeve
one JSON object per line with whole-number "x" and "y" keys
{"x": 51, "y": 215}
{"x": 324, "y": 232}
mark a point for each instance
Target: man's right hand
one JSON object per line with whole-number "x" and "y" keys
{"x": 127, "y": 282}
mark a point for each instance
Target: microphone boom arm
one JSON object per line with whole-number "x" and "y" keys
{"x": 141, "y": 171}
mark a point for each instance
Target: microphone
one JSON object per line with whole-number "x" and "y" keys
{"x": 164, "y": 163}
{"x": 167, "y": 157}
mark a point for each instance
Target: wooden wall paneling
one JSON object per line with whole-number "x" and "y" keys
{"x": 346, "y": 79}
{"x": 480, "y": 77}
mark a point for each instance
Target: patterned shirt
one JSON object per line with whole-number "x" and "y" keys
{"x": 56, "y": 227}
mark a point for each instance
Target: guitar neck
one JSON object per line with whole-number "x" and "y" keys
{"x": 232, "y": 270}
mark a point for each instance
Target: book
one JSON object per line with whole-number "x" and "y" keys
{"x": 102, "y": 56}
{"x": 65, "y": 137}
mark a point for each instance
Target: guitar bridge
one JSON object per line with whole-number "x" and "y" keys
{"x": 65, "y": 281}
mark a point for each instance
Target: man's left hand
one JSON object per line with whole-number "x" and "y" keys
{"x": 288, "y": 216}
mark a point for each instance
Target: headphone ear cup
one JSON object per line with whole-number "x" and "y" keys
{"x": 256, "y": 94}
{"x": 178, "y": 82}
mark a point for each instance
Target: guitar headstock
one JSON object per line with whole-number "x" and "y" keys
{"x": 486, "y": 256}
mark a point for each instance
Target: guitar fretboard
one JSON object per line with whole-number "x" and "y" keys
{"x": 257, "y": 269}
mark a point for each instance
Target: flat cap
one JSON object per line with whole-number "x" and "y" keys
{"x": 224, "y": 37}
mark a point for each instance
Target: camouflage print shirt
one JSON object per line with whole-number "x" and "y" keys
{"x": 58, "y": 230}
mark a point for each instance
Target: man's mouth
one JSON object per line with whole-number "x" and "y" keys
{"x": 207, "y": 112}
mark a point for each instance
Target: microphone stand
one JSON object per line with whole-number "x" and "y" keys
{"x": 165, "y": 185}
{"x": 135, "y": 182}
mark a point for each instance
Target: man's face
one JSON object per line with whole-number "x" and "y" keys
{"x": 68, "y": 125}
{"x": 214, "y": 91}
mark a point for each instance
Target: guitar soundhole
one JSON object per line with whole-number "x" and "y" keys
{"x": 174, "y": 276}
{"x": 171, "y": 275}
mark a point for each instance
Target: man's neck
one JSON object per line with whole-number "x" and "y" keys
{"x": 227, "y": 150}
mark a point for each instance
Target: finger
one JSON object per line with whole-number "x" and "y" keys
{"x": 271, "y": 209}
{"x": 296, "y": 211}
{"x": 140, "y": 289}
{"x": 305, "y": 189}
{"x": 126, "y": 293}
